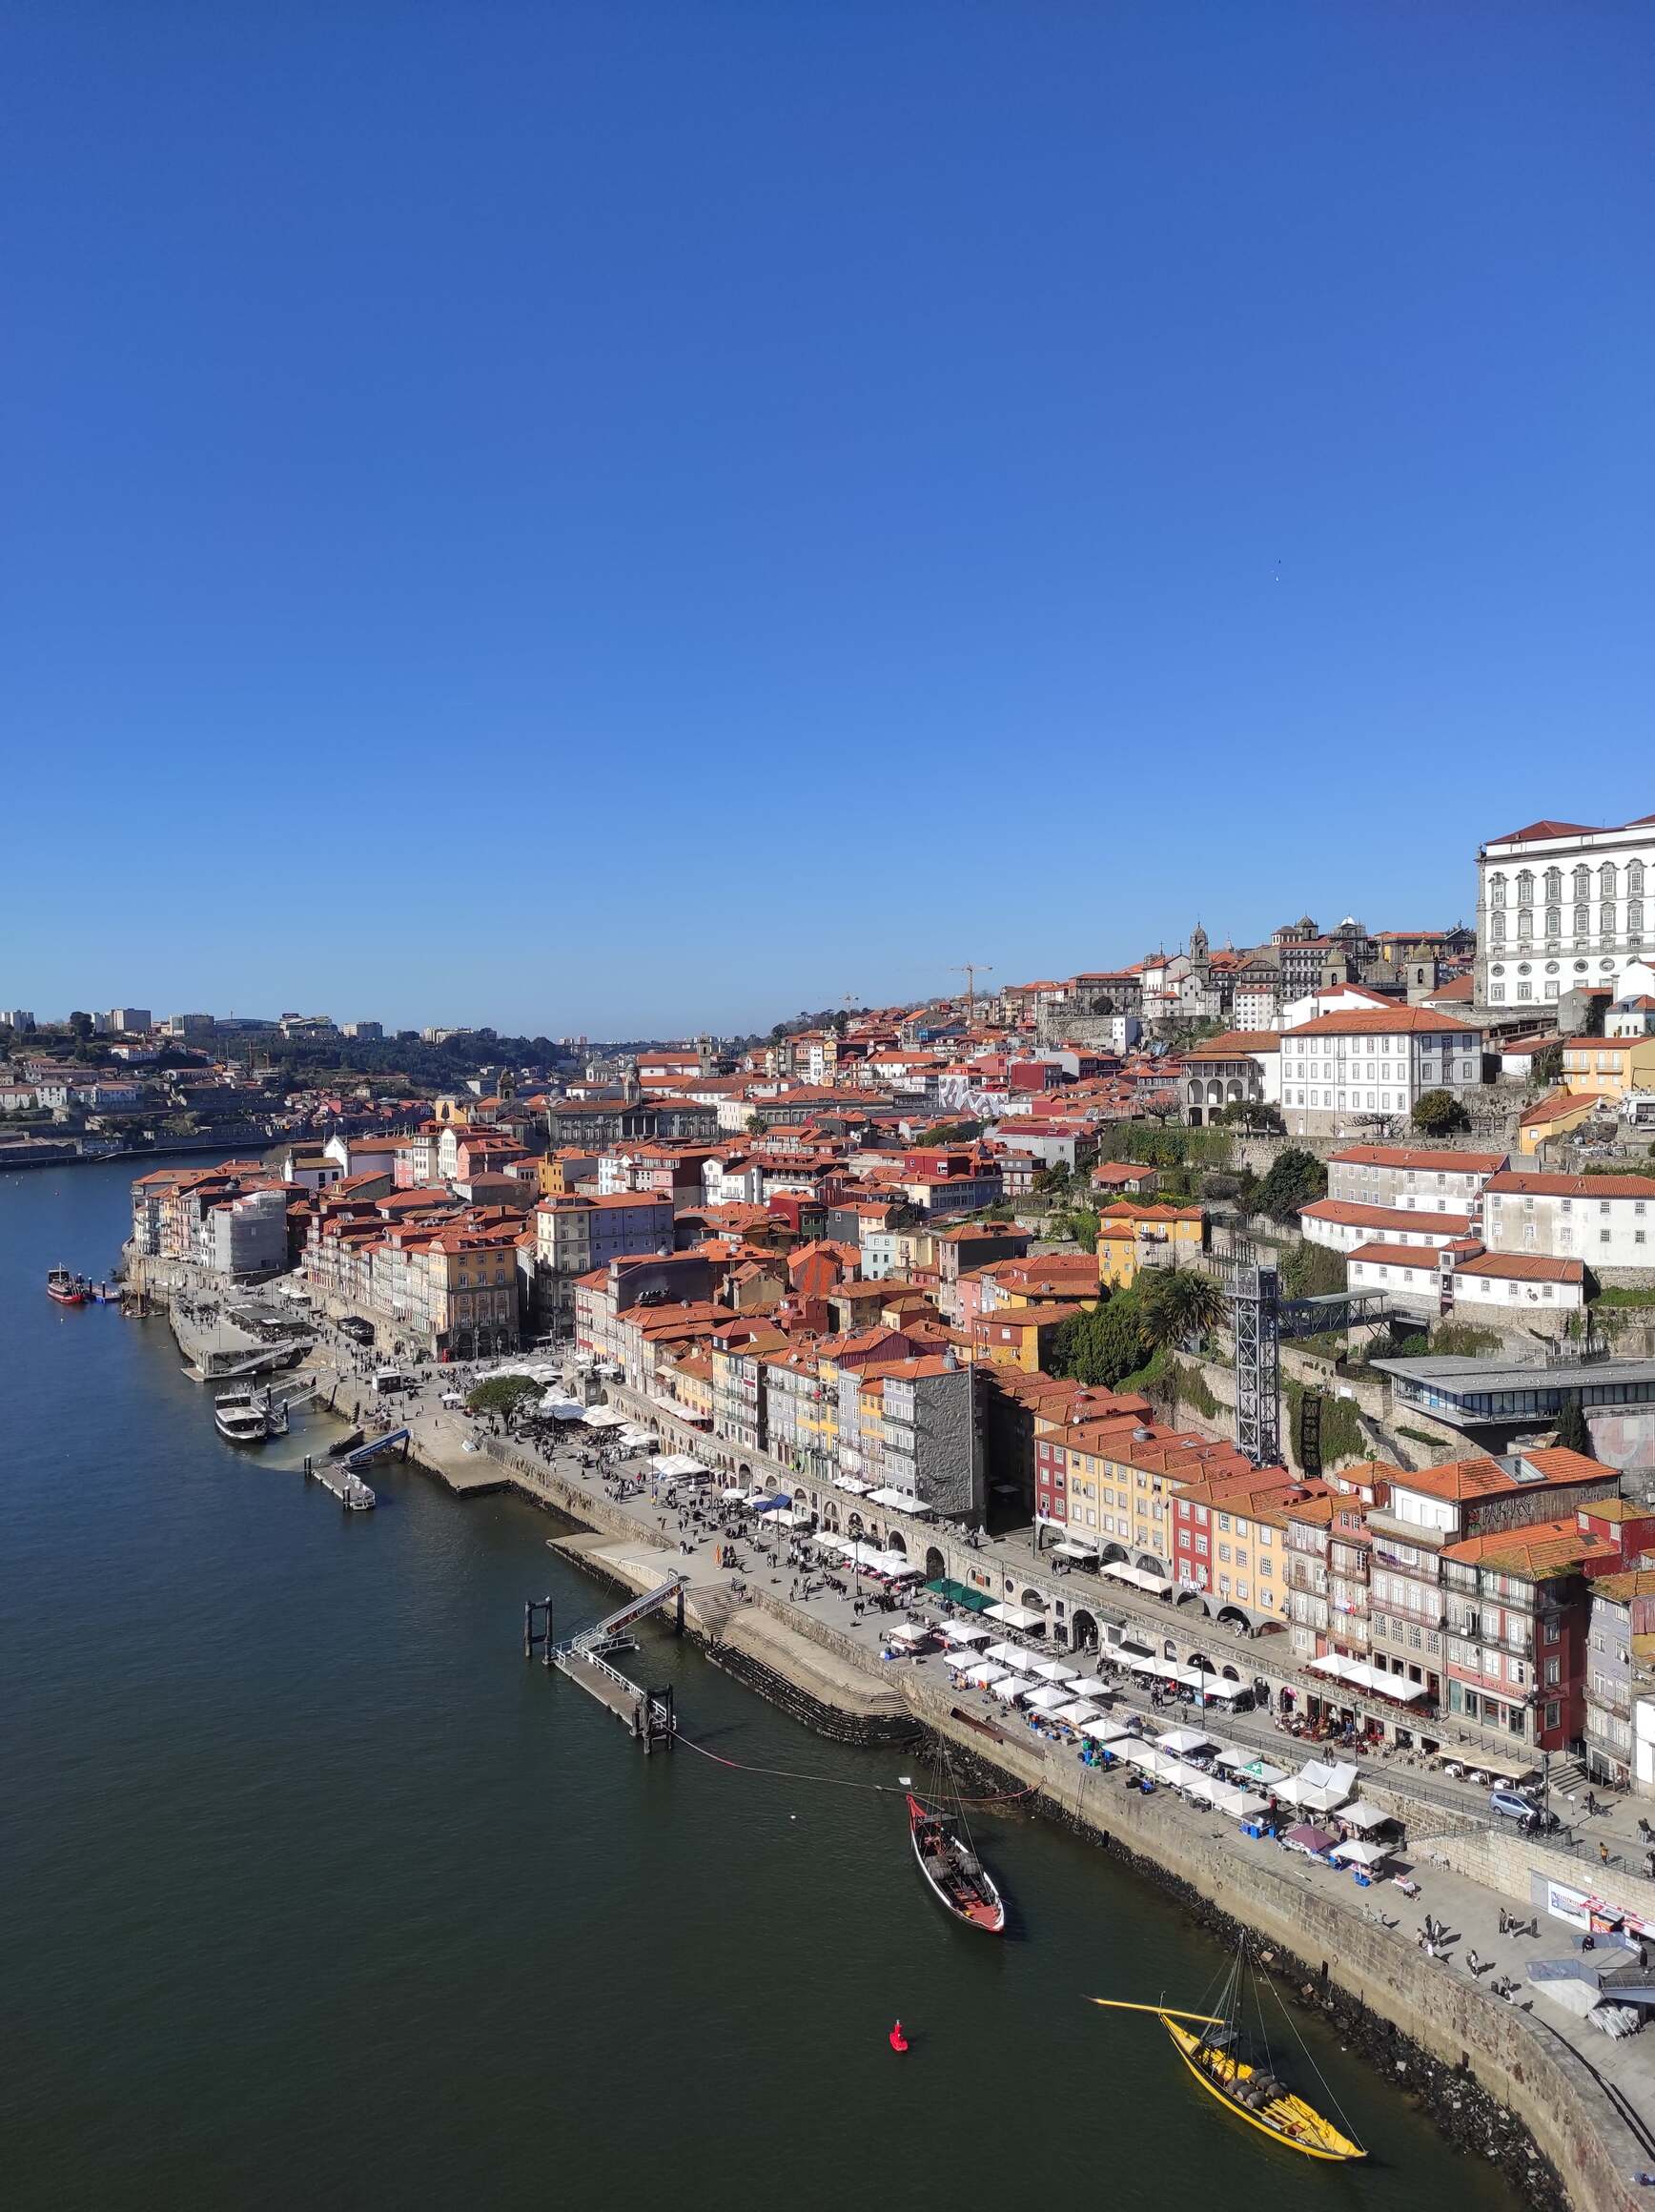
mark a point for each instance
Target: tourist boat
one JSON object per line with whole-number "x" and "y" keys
{"x": 1210, "y": 2048}
{"x": 66, "y": 1288}
{"x": 240, "y": 1417}
{"x": 957, "y": 1877}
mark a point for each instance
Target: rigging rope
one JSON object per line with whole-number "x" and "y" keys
{"x": 838, "y": 1781}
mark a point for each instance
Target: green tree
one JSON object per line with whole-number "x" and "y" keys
{"x": 80, "y": 1024}
{"x": 1098, "y": 1348}
{"x": 1180, "y": 1305}
{"x": 1082, "y": 1224}
{"x": 1295, "y": 1179}
{"x": 1440, "y": 1113}
{"x": 1573, "y": 1433}
{"x": 504, "y": 1394}
{"x": 1252, "y": 1113}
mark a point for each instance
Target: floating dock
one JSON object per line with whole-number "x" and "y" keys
{"x": 648, "y": 1715}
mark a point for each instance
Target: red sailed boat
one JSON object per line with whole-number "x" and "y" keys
{"x": 957, "y": 1877}
{"x": 66, "y": 1288}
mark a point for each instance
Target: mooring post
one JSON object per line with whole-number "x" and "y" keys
{"x": 533, "y": 1632}
{"x": 678, "y": 1613}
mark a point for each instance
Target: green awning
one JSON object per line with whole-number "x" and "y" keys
{"x": 961, "y": 1593}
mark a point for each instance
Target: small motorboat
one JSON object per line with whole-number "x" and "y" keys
{"x": 897, "y": 2040}
{"x": 956, "y": 1876}
{"x": 66, "y": 1287}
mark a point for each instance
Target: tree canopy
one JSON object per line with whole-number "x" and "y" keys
{"x": 504, "y": 1394}
{"x": 1440, "y": 1113}
{"x": 1180, "y": 1304}
{"x": 1295, "y": 1179}
{"x": 1098, "y": 1348}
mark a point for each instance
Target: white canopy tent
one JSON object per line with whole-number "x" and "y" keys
{"x": 1241, "y": 1761}
{"x": 1008, "y": 1654}
{"x": 1069, "y": 1548}
{"x": 899, "y": 1502}
{"x": 1055, "y": 1670}
{"x": 1015, "y": 1616}
{"x": 1048, "y": 1698}
{"x": 1140, "y": 1577}
{"x": 556, "y": 1407}
{"x": 1076, "y": 1713}
{"x": 910, "y": 1631}
{"x": 965, "y": 1632}
{"x": 1364, "y": 1814}
{"x": 1010, "y": 1687}
{"x": 789, "y": 1516}
{"x": 1104, "y": 1730}
{"x": 1359, "y": 1675}
{"x": 983, "y": 1673}
{"x": 1360, "y": 1853}
{"x": 1182, "y": 1741}
{"x": 857, "y": 1490}
{"x": 681, "y": 1467}
{"x": 604, "y": 1417}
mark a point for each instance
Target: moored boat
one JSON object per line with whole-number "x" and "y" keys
{"x": 1209, "y": 2047}
{"x": 240, "y": 1417}
{"x": 67, "y": 1287}
{"x": 957, "y": 1877}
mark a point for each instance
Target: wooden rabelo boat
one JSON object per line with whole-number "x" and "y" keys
{"x": 1209, "y": 2047}
{"x": 957, "y": 1877}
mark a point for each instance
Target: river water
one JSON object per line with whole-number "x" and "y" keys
{"x": 317, "y": 1894}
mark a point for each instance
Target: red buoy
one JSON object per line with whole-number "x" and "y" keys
{"x": 898, "y": 2040}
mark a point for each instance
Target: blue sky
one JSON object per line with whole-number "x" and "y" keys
{"x": 622, "y": 518}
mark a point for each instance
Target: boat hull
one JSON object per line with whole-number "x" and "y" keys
{"x": 1319, "y": 2139}
{"x": 987, "y": 1912}
{"x": 66, "y": 1297}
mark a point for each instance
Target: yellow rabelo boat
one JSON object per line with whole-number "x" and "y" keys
{"x": 1253, "y": 2093}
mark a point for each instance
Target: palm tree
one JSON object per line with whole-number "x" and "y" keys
{"x": 1180, "y": 1304}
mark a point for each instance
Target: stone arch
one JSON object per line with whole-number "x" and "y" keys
{"x": 1150, "y": 1563}
{"x": 744, "y": 1470}
{"x": 894, "y": 1541}
{"x": 1237, "y": 1613}
{"x": 1083, "y": 1631}
{"x": 769, "y": 1486}
{"x": 855, "y": 1524}
{"x": 1195, "y": 1597}
{"x": 936, "y": 1566}
{"x": 1230, "y": 1673}
{"x": 1032, "y": 1599}
{"x": 1111, "y": 1553}
{"x": 1201, "y": 1664}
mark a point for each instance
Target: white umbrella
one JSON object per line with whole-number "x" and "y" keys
{"x": 965, "y": 1632}
{"x": 1055, "y": 1670}
{"x": 1182, "y": 1741}
{"x": 984, "y": 1673}
{"x": 1008, "y": 1654}
{"x": 1010, "y": 1687}
{"x": 1078, "y": 1712}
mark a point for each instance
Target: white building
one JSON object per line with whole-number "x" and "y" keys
{"x": 1345, "y": 1227}
{"x": 1341, "y": 1069}
{"x": 1466, "y": 1276}
{"x": 1562, "y": 906}
{"x": 1410, "y": 1176}
{"x": 1606, "y": 1220}
{"x": 1332, "y": 998}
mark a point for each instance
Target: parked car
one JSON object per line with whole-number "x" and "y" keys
{"x": 1512, "y": 1805}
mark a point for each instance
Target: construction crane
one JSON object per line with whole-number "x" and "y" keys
{"x": 971, "y": 969}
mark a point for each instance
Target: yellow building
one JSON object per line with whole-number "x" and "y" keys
{"x": 1132, "y": 1236}
{"x": 1554, "y": 1116}
{"x": 1610, "y": 1067}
